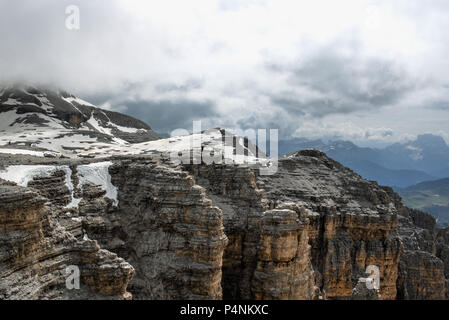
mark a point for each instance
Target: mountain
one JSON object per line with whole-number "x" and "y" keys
{"x": 387, "y": 177}
{"x": 45, "y": 119}
{"x": 127, "y": 222}
{"x": 53, "y": 123}
{"x": 373, "y": 164}
{"x": 441, "y": 172}
{"x": 442, "y": 185}
{"x": 429, "y": 196}
{"x": 427, "y": 153}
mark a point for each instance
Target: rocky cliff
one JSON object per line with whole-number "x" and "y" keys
{"x": 424, "y": 263}
{"x": 352, "y": 222}
{"x": 268, "y": 255}
{"x": 36, "y": 250}
{"x": 215, "y": 231}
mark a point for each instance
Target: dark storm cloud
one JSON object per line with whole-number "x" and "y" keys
{"x": 440, "y": 105}
{"x": 341, "y": 83}
{"x": 192, "y": 84}
{"x": 280, "y": 121}
{"x": 166, "y": 116}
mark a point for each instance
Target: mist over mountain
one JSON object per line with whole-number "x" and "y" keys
{"x": 398, "y": 165}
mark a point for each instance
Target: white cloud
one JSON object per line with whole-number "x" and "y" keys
{"x": 317, "y": 129}
{"x": 216, "y": 52}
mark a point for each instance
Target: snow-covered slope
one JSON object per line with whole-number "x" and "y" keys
{"x": 33, "y": 121}
{"x": 46, "y": 123}
{"x": 213, "y": 145}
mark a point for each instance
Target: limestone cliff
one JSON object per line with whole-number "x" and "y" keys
{"x": 268, "y": 253}
{"x": 164, "y": 231}
{"x": 352, "y": 222}
{"x": 423, "y": 265}
{"x": 35, "y": 252}
{"x": 162, "y": 224}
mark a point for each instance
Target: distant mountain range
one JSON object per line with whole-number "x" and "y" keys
{"x": 398, "y": 165}
{"x": 430, "y": 196}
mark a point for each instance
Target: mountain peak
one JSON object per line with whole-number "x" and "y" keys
{"x": 53, "y": 119}
{"x": 430, "y": 140}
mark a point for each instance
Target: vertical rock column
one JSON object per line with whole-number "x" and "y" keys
{"x": 171, "y": 232}
{"x": 268, "y": 256}
{"x": 283, "y": 268}
{"x": 35, "y": 251}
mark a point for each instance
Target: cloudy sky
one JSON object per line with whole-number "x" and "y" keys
{"x": 368, "y": 71}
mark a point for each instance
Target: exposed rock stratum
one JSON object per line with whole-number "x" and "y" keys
{"x": 140, "y": 226}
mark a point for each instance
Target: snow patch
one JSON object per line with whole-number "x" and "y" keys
{"x": 108, "y": 131}
{"x": 22, "y": 151}
{"x": 23, "y": 174}
{"x": 8, "y": 118}
{"x": 68, "y": 182}
{"x": 94, "y": 123}
{"x": 127, "y": 129}
{"x": 77, "y": 100}
{"x": 97, "y": 174}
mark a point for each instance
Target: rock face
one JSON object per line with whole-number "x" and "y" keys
{"x": 35, "y": 252}
{"x": 352, "y": 222}
{"x": 164, "y": 226}
{"x": 173, "y": 234}
{"x": 363, "y": 292}
{"x": 422, "y": 274}
{"x": 145, "y": 227}
{"x": 268, "y": 255}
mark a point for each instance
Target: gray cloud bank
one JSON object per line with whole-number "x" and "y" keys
{"x": 367, "y": 71}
